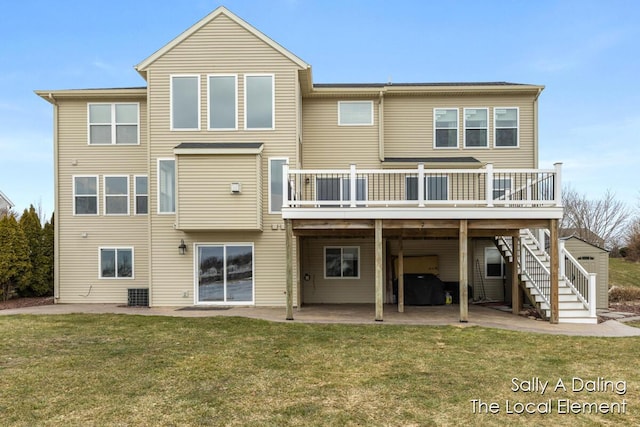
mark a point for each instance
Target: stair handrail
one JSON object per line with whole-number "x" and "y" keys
{"x": 545, "y": 294}
{"x": 586, "y": 295}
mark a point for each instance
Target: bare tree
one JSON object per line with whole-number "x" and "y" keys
{"x": 600, "y": 222}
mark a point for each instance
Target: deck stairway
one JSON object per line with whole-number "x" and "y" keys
{"x": 576, "y": 286}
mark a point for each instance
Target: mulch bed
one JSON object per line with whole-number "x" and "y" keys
{"x": 25, "y": 302}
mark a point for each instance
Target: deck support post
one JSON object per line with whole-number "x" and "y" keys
{"x": 289, "y": 270}
{"x": 516, "y": 301}
{"x": 379, "y": 280}
{"x": 554, "y": 254}
{"x": 464, "y": 270}
{"x": 400, "y": 277}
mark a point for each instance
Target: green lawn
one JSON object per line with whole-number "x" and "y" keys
{"x": 623, "y": 273}
{"x": 149, "y": 371}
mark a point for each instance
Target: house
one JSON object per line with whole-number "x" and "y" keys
{"x": 232, "y": 179}
{"x": 5, "y": 204}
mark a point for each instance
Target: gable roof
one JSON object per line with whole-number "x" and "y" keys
{"x": 142, "y": 66}
{"x": 6, "y": 199}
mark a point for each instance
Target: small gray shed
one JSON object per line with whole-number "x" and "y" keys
{"x": 595, "y": 260}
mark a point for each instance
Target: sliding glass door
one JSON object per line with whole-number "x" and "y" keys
{"x": 225, "y": 274}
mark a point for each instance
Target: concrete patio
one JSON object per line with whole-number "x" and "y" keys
{"x": 354, "y": 314}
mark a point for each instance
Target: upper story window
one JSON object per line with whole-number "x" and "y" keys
{"x": 85, "y": 195}
{"x": 355, "y": 113}
{"x": 166, "y": 186}
{"x": 141, "y": 189}
{"x": 185, "y": 102}
{"x": 338, "y": 188}
{"x": 505, "y": 126}
{"x": 116, "y": 195}
{"x": 476, "y": 123}
{"x": 259, "y": 101}
{"x": 222, "y": 102}
{"x": 113, "y": 123}
{"x": 446, "y": 127}
{"x": 436, "y": 187}
{"x": 276, "y": 181}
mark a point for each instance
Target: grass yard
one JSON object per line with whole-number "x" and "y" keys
{"x": 624, "y": 273}
{"x": 149, "y": 371}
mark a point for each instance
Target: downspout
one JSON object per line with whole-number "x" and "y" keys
{"x": 535, "y": 129}
{"x": 56, "y": 198}
{"x": 150, "y": 167}
{"x": 381, "y": 127}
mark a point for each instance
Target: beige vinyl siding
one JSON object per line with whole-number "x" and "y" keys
{"x": 205, "y": 198}
{"x": 176, "y": 287}
{"x": 221, "y": 47}
{"x": 599, "y": 265}
{"x": 484, "y": 288}
{"x": 408, "y": 128}
{"x": 329, "y": 146}
{"x": 337, "y": 291}
{"x": 81, "y": 236}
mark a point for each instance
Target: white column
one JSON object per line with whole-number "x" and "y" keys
{"x": 489, "y": 184}
{"x": 421, "y": 185}
{"x": 352, "y": 185}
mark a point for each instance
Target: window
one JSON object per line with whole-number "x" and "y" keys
{"x": 225, "y": 273}
{"x": 166, "y": 186}
{"x": 116, "y": 195}
{"x": 355, "y": 113}
{"x": 340, "y": 189}
{"x": 85, "y": 195}
{"x": 223, "y": 99}
{"x": 506, "y": 127}
{"x": 276, "y": 181}
{"x": 113, "y": 124}
{"x": 476, "y": 122}
{"x": 185, "y": 102}
{"x": 259, "y": 101}
{"x": 141, "y": 192}
{"x": 494, "y": 263}
{"x": 436, "y": 188}
{"x": 342, "y": 262}
{"x": 116, "y": 263}
{"x": 501, "y": 188}
{"x": 446, "y": 127}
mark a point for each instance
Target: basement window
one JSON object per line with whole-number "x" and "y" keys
{"x": 494, "y": 264}
{"x": 342, "y": 262}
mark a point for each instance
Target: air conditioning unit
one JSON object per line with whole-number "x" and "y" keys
{"x": 138, "y": 297}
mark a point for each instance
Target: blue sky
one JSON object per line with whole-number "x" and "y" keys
{"x": 586, "y": 53}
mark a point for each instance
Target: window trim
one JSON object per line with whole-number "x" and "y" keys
{"x": 116, "y": 249}
{"x": 175, "y": 185}
{"x": 342, "y": 248}
{"x": 73, "y": 184}
{"x": 464, "y": 130}
{"x": 435, "y": 128}
{"x": 136, "y": 194}
{"x": 503, "y": 268}
{"x": 196, "y": 267}
{"x": 273, "y": 100}
{"x": 114, "y": 124}
{"x": 171, "y": 124}
{"x": 105, "y": 195}
{"x": 286, "y": 160}
{"x": 495, "y": 128}
{"x": 235, "y": 109}
{"x": 371, "y": 119}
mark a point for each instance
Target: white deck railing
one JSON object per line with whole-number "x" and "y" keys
{"x": 420, "y": 187}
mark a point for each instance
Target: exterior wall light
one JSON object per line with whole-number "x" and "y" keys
{"x": 182, "y": 248}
